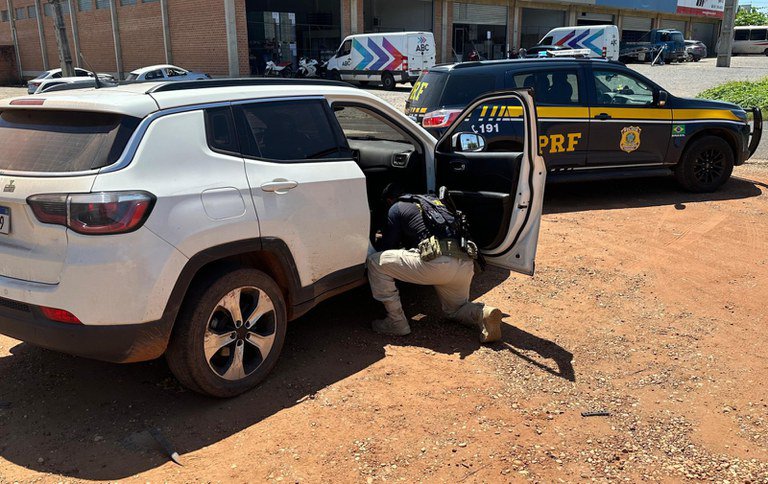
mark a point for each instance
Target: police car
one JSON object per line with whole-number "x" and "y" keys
{"x": 597, "y": 119}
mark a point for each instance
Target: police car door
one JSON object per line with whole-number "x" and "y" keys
{"x": 501, "y": 192}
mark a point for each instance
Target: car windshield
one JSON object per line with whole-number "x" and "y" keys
{"x": 35, "y": 140}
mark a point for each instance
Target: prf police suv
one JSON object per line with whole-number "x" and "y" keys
{"x": 598, "y": 119}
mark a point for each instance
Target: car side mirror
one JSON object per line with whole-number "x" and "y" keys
{"x": 468, "y": 142}
{"x": 662, "y": 99}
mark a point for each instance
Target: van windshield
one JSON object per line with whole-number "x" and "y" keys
{"x": 34, "y": 140}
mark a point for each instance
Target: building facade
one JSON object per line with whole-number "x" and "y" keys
{"x": 238, "y": 37}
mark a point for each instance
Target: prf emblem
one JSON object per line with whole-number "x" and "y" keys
{"x": 630, "y": 138}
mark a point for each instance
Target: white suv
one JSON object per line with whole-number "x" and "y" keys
{"x": 195, "y": 219}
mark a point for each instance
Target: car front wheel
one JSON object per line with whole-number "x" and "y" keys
{"x": 705, "y": 165}
{"x": 229, "y": 334}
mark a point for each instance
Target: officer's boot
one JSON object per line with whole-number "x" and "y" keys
{"x": 490, "y": 324}
{"x": 395, "y": 323}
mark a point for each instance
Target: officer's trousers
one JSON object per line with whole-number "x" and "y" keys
{"x": 450, "y": 276}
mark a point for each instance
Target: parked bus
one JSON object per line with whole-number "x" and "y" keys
{"x": 750, "y": 39}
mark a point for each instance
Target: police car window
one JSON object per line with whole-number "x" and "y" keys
{"x": 460, "y": 90}
{"x": 553, "y": 87}
{"x": 287, "y": 131}
{"x": 615, "y": 88}
{"x": 361, "y": 124}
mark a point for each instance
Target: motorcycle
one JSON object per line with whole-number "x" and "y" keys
{"x": 308, "y": 68}
{"x": 283, "y": 69}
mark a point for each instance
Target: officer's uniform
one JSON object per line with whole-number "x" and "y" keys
{"x": 450, "y": 273}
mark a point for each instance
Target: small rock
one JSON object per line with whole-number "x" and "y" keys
{"x": 462, "y": 444}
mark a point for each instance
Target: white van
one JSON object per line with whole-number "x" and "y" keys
{"x": 388, "y": 58}
{"x": 601, "y": 40}
{"x": 752, "y": 39}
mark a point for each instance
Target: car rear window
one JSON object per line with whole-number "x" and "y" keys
{"x": 62, "y": 141}
{"x": 462, "y": 89}
{"x": 427, "y": 91}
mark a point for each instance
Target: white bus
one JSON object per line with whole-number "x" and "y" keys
{"x": 751, "y": 39}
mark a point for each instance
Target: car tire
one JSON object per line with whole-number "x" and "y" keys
{"x": 696, "y": 58}
{"x": 388, "y": 81}
{"x": 213, "y": 353}
{"x": 765, "y": 52}
{"x": 334, "y": 75}
{"x": 705, "y": 165}
{"x": 286, "y": 72}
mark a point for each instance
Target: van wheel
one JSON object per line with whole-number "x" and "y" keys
{"x": 229, "y": 333}
{"x": 765, "y": 52}
{"x": 706, "y": 165}
{"x": 334, "y": 75}
{"x": 388, "y": 81}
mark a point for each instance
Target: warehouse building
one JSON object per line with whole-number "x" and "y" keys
{"x": 238, "y": 37}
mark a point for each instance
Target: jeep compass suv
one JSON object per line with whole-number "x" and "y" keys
{"x": 195, "y": 219}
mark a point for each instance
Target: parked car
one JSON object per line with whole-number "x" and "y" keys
{"x": 671, "y": 42}
{"x": 598, "y": 119}
{"x": 695, "y": 50}
{"x": 750, "y": 39}
{"x": 34, "y": 84}
{"x": 165, "y": 73}
{"x": 63, "y": 83}
{"x": 124, "y": 244}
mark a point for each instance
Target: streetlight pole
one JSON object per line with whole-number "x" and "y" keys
{"x": 726, "y": 34}
{"x": 65, "y": 56}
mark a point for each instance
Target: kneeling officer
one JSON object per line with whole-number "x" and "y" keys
{"x": 425, "y": 243}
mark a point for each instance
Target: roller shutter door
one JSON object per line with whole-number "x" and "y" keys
{"x": 641, "y": 24}
{"x": 472, "y": 13}
{"x": 704, "y": 32}
{"x": 673, "y": 24}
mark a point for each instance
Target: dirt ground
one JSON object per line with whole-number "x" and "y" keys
{"x": 647, "y": 303}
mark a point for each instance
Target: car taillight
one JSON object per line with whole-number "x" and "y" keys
{"x": 441, "y": 118}
{"x": 59, "y": 315}
{"x": 103, "y": 213}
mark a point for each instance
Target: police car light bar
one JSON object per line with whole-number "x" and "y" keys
{"x": 569, "y": 53}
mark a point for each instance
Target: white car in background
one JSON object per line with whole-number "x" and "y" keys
{"x": 65, "y": 83}
{"x": 165, "y": 73}
{"x": 34, "y": 85}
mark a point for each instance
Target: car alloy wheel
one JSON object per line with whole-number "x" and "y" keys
{"x": 240, "y": 333}
{"x": 709, "y": 166}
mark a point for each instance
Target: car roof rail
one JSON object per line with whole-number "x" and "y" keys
{"x": 171, "y": 86}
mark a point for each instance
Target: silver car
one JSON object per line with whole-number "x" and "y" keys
{"x": 34, "y": 84}
{"x": 165, "y": 73}
{"x": 695, "y": 50}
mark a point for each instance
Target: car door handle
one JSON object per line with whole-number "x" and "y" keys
{"x": 458, "y": 166}
{"x": 279, "y": 185}
{"x": 603, "y": 116}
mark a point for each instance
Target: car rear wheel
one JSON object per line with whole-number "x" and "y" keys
{"x": 765, "y": 52}
{"x": 706, "y": 165}
{"x": 387, "y": 81}
{"x": 229, "y": 333}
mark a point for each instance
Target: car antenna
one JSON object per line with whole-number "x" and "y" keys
{"x": 95, "y": 74}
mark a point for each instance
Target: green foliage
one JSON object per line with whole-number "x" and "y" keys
{"x": 753, "y": 16}
{"x": 744, "y": 93}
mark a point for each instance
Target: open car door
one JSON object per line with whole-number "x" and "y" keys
{"x": 501, "y": 192}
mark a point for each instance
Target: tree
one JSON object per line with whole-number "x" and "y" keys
{"x": 752, "y": 16}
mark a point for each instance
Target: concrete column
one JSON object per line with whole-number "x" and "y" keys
{"x": 516, "y": 21}
{"x": 75, "y": 31}
{"x": 230, "y": 18}
{"x": 619, "y": 21}
{"x": 345, "y": 30}
{"x": 12, "y": 19}
{"x": 116, "y": 39}
{"x": 353, "y": 17}
{"x": 571, "y": 15}
{"x": 510, "y": 24}
{"x": 446, "y": 45}
{"x": 41, "y": 33}
{"x": 166, "y": 31}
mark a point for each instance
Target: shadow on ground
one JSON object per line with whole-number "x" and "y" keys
{"x": 91, "y": 420}
{"x": 637, "y": 193}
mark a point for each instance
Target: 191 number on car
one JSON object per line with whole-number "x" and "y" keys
{"x": 487, "y": 128}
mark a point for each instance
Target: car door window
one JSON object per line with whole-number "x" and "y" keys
{"x": 345, "y": 48}
{"x": 154, "y": 75}
{"x": 287, "y": 131}
{"x": 82, "y": 73}
{"x": 56, "y": 75}
{"x": 615, "y": 88}
{"x": 550, "y": 88}
{"x": 361, "y": 124}
{"x": 175, "y": 72}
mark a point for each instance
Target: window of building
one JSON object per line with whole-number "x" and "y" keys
{"x": 287, "y": 131}
{"x": 757, "y": 34}
{"x": 149, "y": 1}
{"x": 31, "y": 12}
{"x": 123, "y": 3}
{"x": 85, "y": 5}
{"x": 48, "y": 9}
{"x": 558, "y": 87}
{"x": 4, "y": 16}
{"x": 616, "y": 88}
{"x": 21, "y": 13}
{"x": 102, "y": 3}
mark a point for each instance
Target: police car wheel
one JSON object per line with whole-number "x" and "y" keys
{"x": 706, "y": 165}
{"x": 387, "y": 81}
{"x": 229, "y": 333}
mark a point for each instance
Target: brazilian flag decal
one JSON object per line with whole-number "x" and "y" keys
{"x": 678, "y": 130}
